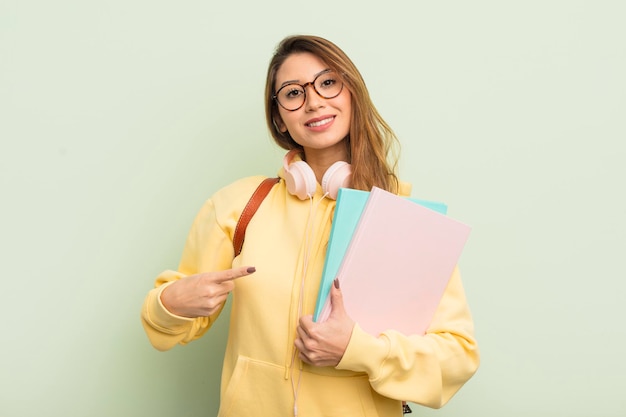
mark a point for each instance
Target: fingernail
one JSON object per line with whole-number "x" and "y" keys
{"x": 336, "y": 282}
{"x": 251, "y": 270}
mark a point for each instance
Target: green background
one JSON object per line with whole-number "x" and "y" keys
{"x": 119, "y": 118}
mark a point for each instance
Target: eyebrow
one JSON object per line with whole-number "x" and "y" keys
{"x": 297, "y": 81}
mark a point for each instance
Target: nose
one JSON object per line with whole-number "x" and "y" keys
{"x": 313, "y": 101}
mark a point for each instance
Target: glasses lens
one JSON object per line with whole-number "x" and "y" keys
{"x": 328, "y": 85}
{"x": 290, "y": 96}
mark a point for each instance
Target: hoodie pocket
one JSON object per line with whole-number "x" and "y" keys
{"x": 337, "y": 396}
{"x": 256, "y": 388}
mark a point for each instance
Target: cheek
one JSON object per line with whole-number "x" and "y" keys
{"x": 288, "y": 121}
{"x": 346, "y": 102}
{"x": 346, "y": 105}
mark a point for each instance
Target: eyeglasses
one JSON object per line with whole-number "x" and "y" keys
{"x": 293, "y": 95}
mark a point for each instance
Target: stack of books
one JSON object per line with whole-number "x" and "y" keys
{"x": 393, "y": 257}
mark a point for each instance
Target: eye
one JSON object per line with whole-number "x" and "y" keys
{"x": 292, "y": 92}
{"x": 327, "y": 81}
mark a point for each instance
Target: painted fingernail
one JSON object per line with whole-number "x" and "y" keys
{"x": 336, "y": 282}
{"x": 251, "y": 270}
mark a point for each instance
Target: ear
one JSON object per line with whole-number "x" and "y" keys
{"x": 280, "y": 126}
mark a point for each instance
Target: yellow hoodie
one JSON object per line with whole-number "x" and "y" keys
{"x": 260, "y": 376}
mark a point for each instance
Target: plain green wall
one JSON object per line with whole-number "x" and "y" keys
{"x": 119, "y": 118}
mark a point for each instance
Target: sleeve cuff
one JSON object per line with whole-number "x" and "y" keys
{"x": 160, "y": 315}
{"x": 365, "y": 353}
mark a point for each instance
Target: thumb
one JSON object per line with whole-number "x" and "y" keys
{"x": 336, "y": 300}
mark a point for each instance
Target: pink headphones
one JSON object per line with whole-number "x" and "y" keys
{"x": 301, "y": 180}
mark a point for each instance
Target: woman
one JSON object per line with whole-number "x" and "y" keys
{"x": 278, "y": 361}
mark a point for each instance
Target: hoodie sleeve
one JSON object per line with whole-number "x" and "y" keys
{"x": 164, "y": 329}
{"x": 428, "y": 369}
{"x": 209, "y": 247}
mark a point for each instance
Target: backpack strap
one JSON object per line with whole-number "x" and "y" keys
{"x": 248, "y": 211}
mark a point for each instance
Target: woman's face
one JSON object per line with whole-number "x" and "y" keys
{"x": 320, "y": 123}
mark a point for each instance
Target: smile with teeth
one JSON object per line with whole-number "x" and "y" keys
{"x": 320, "y": 122}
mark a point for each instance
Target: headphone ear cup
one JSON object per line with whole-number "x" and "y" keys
{"x": 300, "y": 180}
{"x": 338, "y": 175}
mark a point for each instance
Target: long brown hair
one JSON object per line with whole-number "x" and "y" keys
{"x": 370, "y": 142}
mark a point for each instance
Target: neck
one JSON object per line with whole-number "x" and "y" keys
{"x": 321, "y": 159}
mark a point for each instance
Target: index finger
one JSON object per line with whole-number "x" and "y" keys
{"x": 231, "y": 274}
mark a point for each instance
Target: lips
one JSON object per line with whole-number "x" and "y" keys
{"x": 319, "y": 121}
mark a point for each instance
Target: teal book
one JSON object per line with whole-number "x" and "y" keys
{"x": 350, "y": 205}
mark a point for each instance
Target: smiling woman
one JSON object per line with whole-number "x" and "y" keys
{"x": 370, "y": 143}
{"x": 278, "y": 361}
{"x": 318, "y": 123}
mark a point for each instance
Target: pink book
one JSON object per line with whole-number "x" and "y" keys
{"x": 398, "y": 264}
